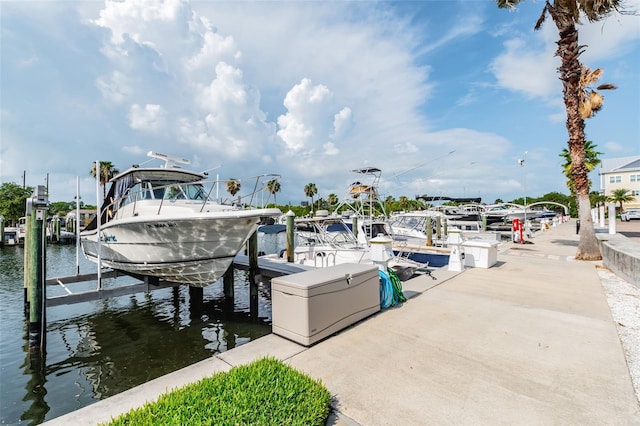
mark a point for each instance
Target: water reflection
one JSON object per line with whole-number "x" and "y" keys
{"x": 98, "y": 349}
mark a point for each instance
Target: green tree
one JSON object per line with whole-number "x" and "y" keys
{"x": 403, "y": 201}
{"x": 233, "y": 186}
{"x": 620, "y": 195}
{"x": 13, "y": 199}
{"x": 566, "y": 15}
{"x": 61, "y": 208}
{"x": 597, "y": 198}
{"x": 107, "y": 171}
{"x": 332, "y": 199}
{"x": 273, "y": 186}
{"x": 310, "y": 190}
{"x": 591, "y": 161}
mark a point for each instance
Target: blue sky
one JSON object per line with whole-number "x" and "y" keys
{"x": 443, "y": 96}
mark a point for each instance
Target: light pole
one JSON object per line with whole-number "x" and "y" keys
{"x": 524, "y": 186}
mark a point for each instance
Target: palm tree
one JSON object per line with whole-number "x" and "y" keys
{"x": 332, "y": 199}
{"x": 621, "y": 195}
{"x": 107, "y": 171}
{"x": 404, "y": 202}
{"x": 273, "y": 186}
{"x": 565, "y": 15}
{"x": 233, "y": 186}
{"x": 591, "y": 161}
{"x": 597, "y": 198}
{"x": 310, "y": 190}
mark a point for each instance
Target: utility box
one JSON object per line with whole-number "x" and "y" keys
{"x": 311, "y": 305}
{"x": 480, "y": 253}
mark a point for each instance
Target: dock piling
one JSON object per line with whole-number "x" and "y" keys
{"x": 35, "y": 266}
{"x": 253, "y": 270}
{"x": 290, "y": 235}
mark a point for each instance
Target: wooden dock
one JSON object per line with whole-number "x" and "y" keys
{"x": 266, "y": 267}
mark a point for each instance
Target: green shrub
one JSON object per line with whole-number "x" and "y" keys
{"x": 265, "y": 392}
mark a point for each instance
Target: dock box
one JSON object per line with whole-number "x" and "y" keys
{"x": 480, "y": 253}
{"x": 311, "y": 305}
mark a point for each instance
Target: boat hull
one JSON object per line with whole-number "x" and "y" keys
{"x": 195, "y": 250}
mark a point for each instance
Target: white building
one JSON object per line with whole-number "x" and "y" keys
{"x": 623, "y": 172}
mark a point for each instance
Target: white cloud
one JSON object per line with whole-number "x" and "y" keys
{"x": 150, "y": 118}
{"x": 342, "y": 122}
{"x": 311, "y": 118}
{"x": 613, "y": 147}
{"x": 523, "y": 68}
{"x": 116, "y": 88}
{"x": 528, "y": 63}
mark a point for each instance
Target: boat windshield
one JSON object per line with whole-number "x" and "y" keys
{"x": 183, "y": 191}
{"x": 159, "y": 190}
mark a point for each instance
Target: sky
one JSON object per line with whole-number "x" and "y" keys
{"x": 444, "y": 97}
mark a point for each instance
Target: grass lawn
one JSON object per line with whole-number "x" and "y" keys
{"x": 264, "y": 392}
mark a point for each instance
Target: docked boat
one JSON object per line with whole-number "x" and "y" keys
{"x": 506, "y": 212}
{"x": 324, "y": 241}
{"x": 163, "y": 222}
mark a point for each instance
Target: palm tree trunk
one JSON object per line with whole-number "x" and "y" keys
{"x": 570, "y": 70}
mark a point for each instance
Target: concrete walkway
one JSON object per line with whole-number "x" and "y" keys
{"x": 529, "y": 341}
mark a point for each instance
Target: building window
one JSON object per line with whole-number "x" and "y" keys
{"x": 635, "y": 192}
{"x": 615, "y": 179}
{"x": 635, "y": 178}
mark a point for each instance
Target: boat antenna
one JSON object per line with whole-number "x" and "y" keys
{"x": 170, "y": 160}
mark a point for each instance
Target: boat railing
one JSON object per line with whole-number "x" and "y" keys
{"x": 195, "y": 192}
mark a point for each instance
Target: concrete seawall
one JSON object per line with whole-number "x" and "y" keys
{"x": 621, "y": 251}
{"x": 621, "y": 255}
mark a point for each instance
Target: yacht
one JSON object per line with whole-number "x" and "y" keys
{"x": 163, "y": 222}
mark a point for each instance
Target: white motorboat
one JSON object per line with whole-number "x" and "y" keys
{"x": 162, "y": 222}
{"x": 326, "y": 241}
{"x": 506, "y": 212}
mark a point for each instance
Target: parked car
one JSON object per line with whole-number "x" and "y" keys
{"x": 630, "y": 214}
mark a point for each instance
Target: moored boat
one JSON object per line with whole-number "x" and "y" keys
{"x": 162, "y": 222}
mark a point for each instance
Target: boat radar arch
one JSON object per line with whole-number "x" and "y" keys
{"x": 170, "y": 160}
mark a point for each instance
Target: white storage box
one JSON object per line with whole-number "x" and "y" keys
{"x": 480, "y": 253}
{"x": 311, "y": 305}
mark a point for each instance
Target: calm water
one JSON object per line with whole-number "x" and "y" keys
{"x": 98, "y": 349}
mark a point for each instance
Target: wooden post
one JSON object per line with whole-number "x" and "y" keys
{"x": 252, "y": 248}
{"x": 57, "y": 226}
{"x": 429, "y": 231}
{"x": 290, "y": 236}
{"x": 27, "y": 259}
{"x": 446, "y": 230}
{"x": 1, "y": 230}
{"x": 195, "y": 300}
{"x": 253, "y": 270}
{"x": 438, "y": 228}
{"x": 227, "y": 282}
{"x": 36, "y": 255}
{"x": 354, "y": 225}
{"x": 484, "y": 223}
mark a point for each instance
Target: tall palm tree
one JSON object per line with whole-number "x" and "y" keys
{"x": 621, "y": 195}
{"x": 233, "y": 186}
{"x": 273, "y": 186}
{"x": 332, "y": 199}
{"x": 310, "y": 190}
{"x": 107, "y": 171}
{"x": 591, "y": 161}
{"x": 565, "y": 15}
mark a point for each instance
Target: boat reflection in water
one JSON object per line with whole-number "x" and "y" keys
{"x": 97, "y": 349}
